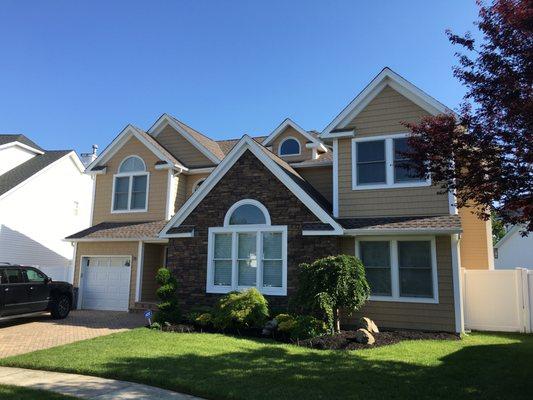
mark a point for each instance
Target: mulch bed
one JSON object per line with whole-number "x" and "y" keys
{"x": 346, "y": 339}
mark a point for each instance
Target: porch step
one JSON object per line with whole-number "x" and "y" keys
{"x": 141, "y": 306}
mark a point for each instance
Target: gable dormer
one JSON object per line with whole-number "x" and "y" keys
{"x": 135, "y": 179}
{"x": 368, "y": 138}
{"x": 293, "y": 143}
{"x": 191, "y": 147}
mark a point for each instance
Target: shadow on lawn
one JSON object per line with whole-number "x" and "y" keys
{"x": 484, "y": 372}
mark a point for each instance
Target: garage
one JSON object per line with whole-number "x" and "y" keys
{"x": 105, "y": 283}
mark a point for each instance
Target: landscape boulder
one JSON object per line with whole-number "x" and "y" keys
{"x": 369, "y": 325}
{"x": 363, "y": 336}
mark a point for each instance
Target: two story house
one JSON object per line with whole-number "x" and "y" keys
{"x": 226, "y": 215}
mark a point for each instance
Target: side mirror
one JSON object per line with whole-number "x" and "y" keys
{"x": 47, "y": 279}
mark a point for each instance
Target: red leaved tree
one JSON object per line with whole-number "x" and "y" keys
{"x": 485, "y": 152}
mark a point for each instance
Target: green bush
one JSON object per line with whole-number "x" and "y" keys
{"x": 330, "y": 284}
{"x": 241, "y": 310}
{"x": 204, "y": 320}
{"x": 168, "y": 308}
{"x": 301, "y": 327}
{"x": 307, "y": 326}
{"x": 195, "y": 312}
{"x": 286, "y": 323}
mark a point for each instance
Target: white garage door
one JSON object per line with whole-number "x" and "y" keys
{"x": 106, "y": 283}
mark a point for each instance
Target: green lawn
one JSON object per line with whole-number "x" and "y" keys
{"x": 484, "y": 366}
{"x": 18, "y": 393}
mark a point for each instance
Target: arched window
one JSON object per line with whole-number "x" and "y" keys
{"x": 289, "y": 147}
{"x": 198, "y": 184}
{"x": 247, "y": 252}
{"x": 132, "y": 164}
{"x": 130, "y": 186}
{"x": 247, "y": 212}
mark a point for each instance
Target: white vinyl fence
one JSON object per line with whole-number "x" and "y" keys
{"x": 58, "y": 273}
{"x": 498, "y": 300}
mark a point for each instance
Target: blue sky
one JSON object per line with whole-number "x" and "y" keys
{"x": 75, "y": 73}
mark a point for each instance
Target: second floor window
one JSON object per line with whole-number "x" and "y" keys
{"x": 289, "y": 147}
{"x": 130, "y": 186}
{"x": 383, "y": 162}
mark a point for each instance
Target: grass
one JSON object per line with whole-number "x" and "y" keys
{"x": 484, "y": 366}
{"x": 18, "y": 393}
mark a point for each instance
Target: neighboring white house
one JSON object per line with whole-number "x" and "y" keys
{"x": 44, "y": 196}
{"x": 514, "y": 250}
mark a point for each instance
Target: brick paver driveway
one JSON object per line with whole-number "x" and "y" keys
{"x": 23, "y": 335}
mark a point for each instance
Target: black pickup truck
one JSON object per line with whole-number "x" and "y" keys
{"x": 26, "y": 290}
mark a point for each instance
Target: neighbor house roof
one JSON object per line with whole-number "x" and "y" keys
{"x": 139, "y": 230}
{"x": 26, "y": 170}
{"x": 11, "y": 138}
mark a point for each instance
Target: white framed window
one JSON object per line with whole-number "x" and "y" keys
{"x": 130, "y": 186}
{"x": 378, "y": 162}
{"x": 402, "y": 269}
{"x": 247, "y": 252}
{"x": 289, "y": 147}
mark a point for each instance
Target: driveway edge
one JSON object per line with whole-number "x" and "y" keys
{"x": 85, "y": 387}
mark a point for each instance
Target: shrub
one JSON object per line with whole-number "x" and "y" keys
{"x": 204, "y": 320}
{"x": 332, "y": 283}
{"x": 241, "y": 310}
{"x": 307, "y": 326}
{"x": 286, "y": 323}
{"x": 168, "y": 309}
{"x": 301, "y": 327}
{"x": 195, "y": 312}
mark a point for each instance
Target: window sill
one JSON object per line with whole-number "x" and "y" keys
{"x": 392, "y": 186}
{"x": 128, "y": 211}
{"x": 405, "y": 299}
{"x": 264, "y": 291}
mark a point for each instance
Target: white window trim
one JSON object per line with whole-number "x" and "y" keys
{"x": 292, "y": 154}
{"x": 395, "y": 271}
{"x": 130, "y": 187}
{"x": 234, "y": 230}
{"x": 243, "y": 202}
{"x": 389, "y": 165}
{"x": 258, "y": 230}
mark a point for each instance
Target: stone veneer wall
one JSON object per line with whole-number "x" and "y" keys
{"x": 248, "y": 178}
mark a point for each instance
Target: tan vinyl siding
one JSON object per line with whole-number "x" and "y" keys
{"x": 306, "y": 154}
{"x": 109, "y": 249}
{"x": 321, "y": 179}
{"x": 476, "y": 241}
{"x": 385, "y": 112}
{"x": 157, "y": 187}
{"x": 191, "y": 181}
{"x": 382, "y": 116}
{"x": 153, "y": 260}
{"x": 181, "y": 191}
{"x": 438, "y": 317}
{"x": 182, "y": 149}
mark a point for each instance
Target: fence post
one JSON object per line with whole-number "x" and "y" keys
{"x": 524, "y": 294}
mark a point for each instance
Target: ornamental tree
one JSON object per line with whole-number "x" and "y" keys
{"x": 484, "y": 152}
{"x": 330, "y": 284}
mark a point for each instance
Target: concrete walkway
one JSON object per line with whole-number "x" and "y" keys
{"x": 85, "y": 387}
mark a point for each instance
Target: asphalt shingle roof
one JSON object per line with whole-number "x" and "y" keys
{"x": 10, "y": 138}
{"x": 442, "y": 222}
{"x": 121, "y": 230}
{"x": 20, "y": 173}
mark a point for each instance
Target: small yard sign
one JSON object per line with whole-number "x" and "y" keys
{"x": 148, "y": 315}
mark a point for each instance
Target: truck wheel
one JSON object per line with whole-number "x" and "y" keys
{"x": 60, "y": 307}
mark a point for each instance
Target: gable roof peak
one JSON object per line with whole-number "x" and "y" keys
{"x": 288, "y": 122}
{"x": 207, "y": 146}
{"x": 386, "y": 77}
